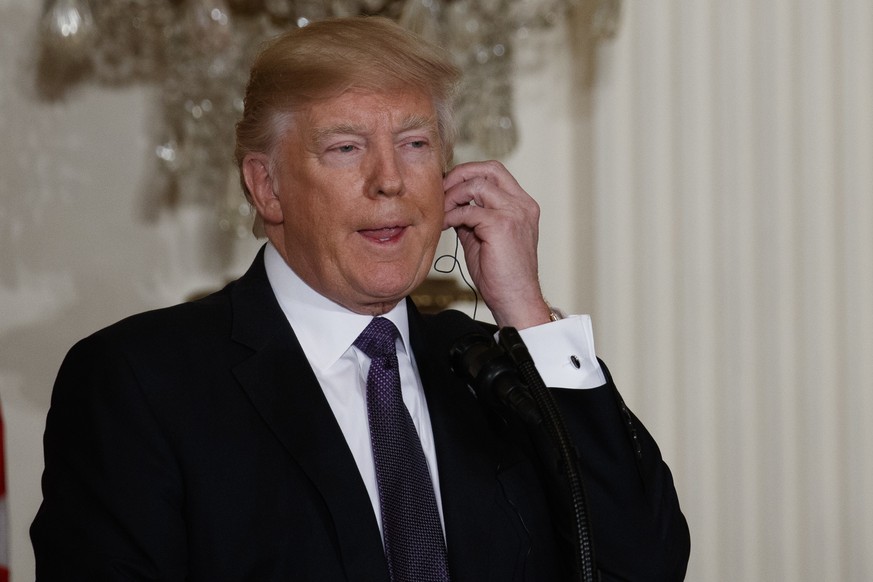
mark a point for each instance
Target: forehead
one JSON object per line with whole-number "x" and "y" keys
{"x": 371, "y": 109}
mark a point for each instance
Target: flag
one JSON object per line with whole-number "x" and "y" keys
{"x": 4, "y": 521}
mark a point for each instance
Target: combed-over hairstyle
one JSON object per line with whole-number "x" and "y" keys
{"x": 329, "y": 57}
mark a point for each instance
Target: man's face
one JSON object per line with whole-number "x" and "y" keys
{"x": 359, "y": 181}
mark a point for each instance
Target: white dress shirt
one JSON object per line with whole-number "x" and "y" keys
{"x": 327, "y": 331}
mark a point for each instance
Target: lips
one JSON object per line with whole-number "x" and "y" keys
{"x": 383, "y": 235}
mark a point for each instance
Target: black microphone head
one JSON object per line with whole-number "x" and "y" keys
{"x": 467, "y": 354}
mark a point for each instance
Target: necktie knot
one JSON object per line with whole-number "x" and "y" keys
{"x": 379, "y": 338}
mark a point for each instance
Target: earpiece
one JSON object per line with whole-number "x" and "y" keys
{"x": 456, "y": 263}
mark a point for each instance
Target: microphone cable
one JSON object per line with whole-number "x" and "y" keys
{"x": 553, "y": 422}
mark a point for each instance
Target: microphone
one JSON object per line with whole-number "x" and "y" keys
{"x": 492, "y": 375}
{"x": 504, "y": 374}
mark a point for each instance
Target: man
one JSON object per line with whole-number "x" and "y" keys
{"x": 233, "y": 438}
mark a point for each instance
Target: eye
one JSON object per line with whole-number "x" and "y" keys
{"x": 345, "y": 149}
{"x": 417, "y": 144}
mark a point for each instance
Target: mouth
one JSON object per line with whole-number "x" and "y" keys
{"x": 383, "y": 235}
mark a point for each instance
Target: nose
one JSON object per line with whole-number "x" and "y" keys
{"x": 386, "y": 174}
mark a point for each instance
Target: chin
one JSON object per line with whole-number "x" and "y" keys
{"x": 393, "y": 291}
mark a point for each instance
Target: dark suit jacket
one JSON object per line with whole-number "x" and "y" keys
{"x": 194, "y": 443}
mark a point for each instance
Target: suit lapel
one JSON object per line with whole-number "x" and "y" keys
{"x": 282, "y": 387}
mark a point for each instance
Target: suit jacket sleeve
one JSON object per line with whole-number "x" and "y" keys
{"x": 100, "y": 519}
{"x": 638, "y": 530}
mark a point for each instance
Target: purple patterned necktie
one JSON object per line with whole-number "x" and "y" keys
{"x": 414, "y": 544}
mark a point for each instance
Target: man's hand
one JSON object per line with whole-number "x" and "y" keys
{"x": 498, "y": 225}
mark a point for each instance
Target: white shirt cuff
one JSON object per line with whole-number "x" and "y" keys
{"x": 563, "y": 352}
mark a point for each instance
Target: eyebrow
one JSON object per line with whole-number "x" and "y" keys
{"x": 321, "y": 134}
{"x": 410, "y": 123}
{"x": 418, "y": 122}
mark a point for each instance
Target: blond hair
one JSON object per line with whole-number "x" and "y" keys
{"x": 329, "y": 57}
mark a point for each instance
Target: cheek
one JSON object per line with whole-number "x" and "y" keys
{"x": 303, "y": 225}
{"x": 436, "y": 207}
{"x": 433, "y": 227}
{"x": 308, "y": 205}
{"x": 430, "y": 186}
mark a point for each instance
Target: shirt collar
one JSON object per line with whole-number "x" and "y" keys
{"x": 324, "y": 328}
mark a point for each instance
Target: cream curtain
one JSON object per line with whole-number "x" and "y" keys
{"x": 732, "y": 244}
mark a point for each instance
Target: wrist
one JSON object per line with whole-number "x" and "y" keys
{"x": 525, "y": 315}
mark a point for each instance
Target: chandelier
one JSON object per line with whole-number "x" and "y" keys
{"x": 197, "y": 54}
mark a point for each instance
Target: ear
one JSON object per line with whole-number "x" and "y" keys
{"x": 256, "y": 172}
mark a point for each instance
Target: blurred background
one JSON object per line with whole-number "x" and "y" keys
{"x": 705, "y": 171}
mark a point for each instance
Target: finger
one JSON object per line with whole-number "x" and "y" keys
{"x": 464, "y": 216}
{"x": 481, "y": 192}
{"x": 492, "y": 172}
{"x": 464, "y": 194}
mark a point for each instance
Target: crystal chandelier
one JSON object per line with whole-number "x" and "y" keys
{"x": 197, "y": 53}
